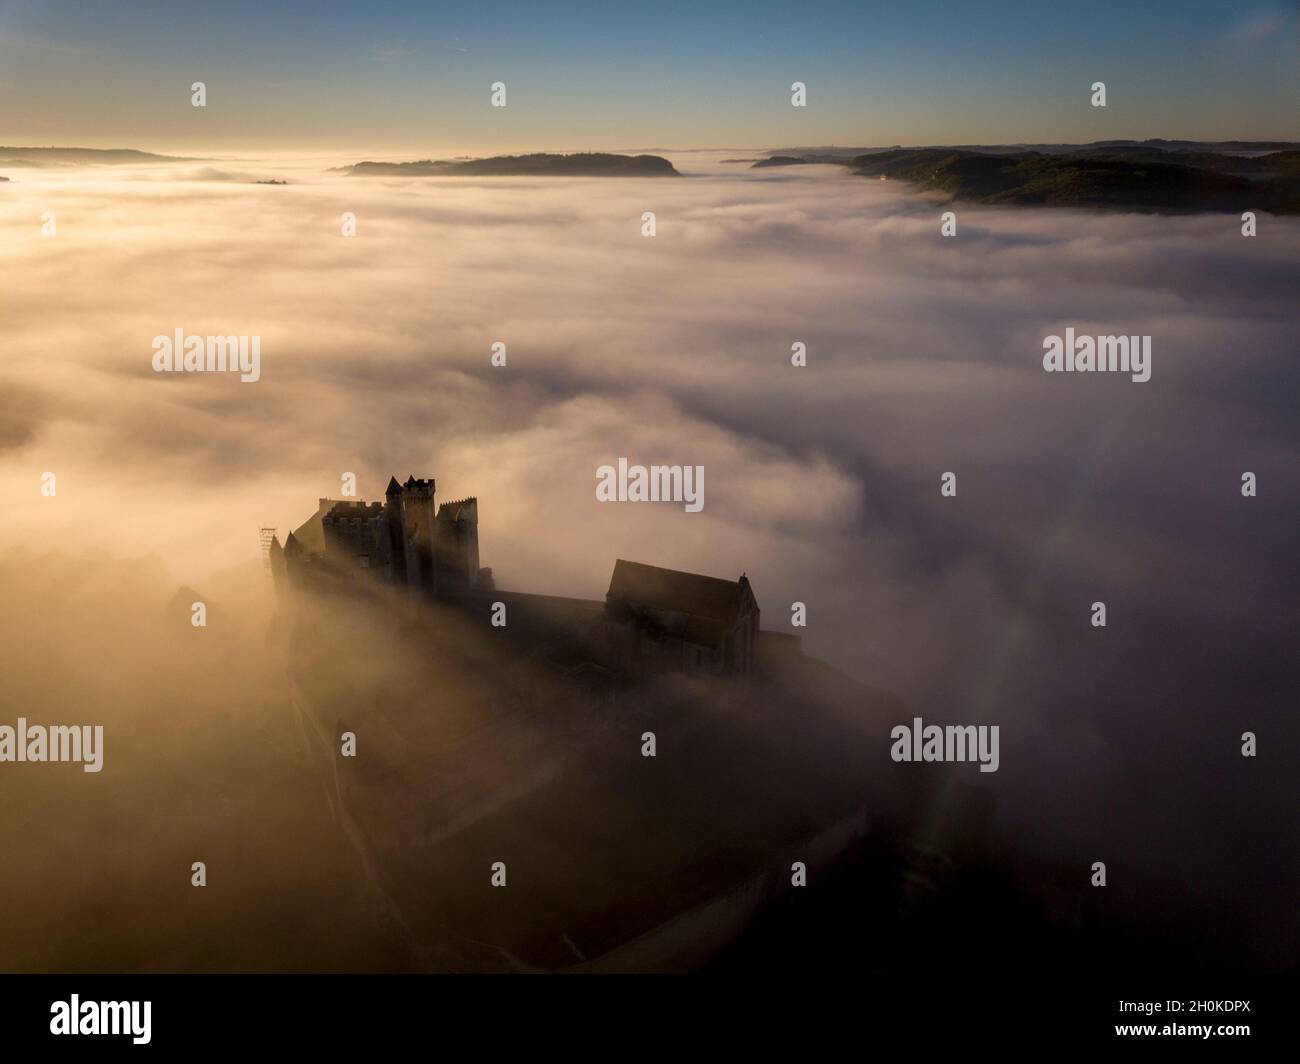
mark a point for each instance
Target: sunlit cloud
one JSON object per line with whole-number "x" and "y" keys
{"x": 822, "y": 482}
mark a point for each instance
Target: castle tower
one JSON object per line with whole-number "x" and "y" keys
{"x": 418, "y": 506}
{"x": 458, "y": 543}
{"x": 293, "y": 559}
{"x": 275, "y": 562}
{"x": 396, "y": 516}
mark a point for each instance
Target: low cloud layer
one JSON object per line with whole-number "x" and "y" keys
{"x": 822, "y": 483}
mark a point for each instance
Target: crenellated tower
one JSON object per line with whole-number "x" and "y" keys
{"x": 419, "y": 515}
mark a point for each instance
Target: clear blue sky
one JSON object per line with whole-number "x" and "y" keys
{"x": 624, "y": 74}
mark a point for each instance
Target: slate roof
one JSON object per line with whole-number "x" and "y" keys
{"x": 704, "y": 597}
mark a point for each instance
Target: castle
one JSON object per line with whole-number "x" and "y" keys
{"x": 404, "y": 541}
{"x": 652, "y": 618}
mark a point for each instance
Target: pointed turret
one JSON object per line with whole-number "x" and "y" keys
{"x": 276, "y": 563}
{"x": 395, "y": 511}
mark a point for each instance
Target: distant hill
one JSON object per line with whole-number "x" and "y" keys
{"x": 585, "y": 164}
{"x": 1221, "y": 147}
{"x": 798, "y": 160}
{"x": 809, "y": 159}
{"x": 82, "y": 156}
{"x": 1229, "y": 146}
{"x": 1127, "y": 175}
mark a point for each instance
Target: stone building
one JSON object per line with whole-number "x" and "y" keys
{"x": 654, "y": 619}
{"x": 406, "y": 540}
{"x": 671, "y": 619}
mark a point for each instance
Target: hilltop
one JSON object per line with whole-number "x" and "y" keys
{"x": 51, "y": 156}
{"x": 1127, "y": 175}
{"x": 515, "y": 742}
{"x": 540, "y": 164}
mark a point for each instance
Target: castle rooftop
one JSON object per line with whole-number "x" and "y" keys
{"x": 707, "y": 597}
